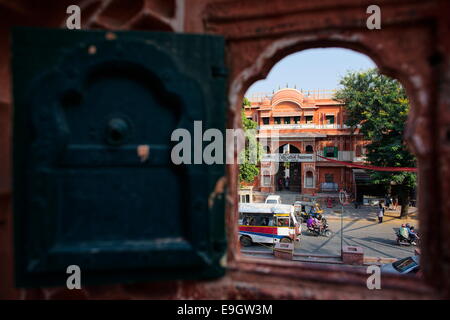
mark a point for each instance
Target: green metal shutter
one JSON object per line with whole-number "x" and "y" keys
{"x": 83, "y": 104}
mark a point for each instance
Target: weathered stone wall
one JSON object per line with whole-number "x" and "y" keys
{"x": 412, "y": 46}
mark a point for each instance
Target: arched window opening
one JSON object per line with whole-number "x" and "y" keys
{"x": 309, "y": 180}
{"x": 319, "y": 150}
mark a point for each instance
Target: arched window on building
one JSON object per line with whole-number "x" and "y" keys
{"x": 309, "y": 149}
{"x": 266, "y": 180}
{"x": 309, "y": 180}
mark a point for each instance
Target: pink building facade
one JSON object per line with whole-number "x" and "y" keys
{"x": 296, "y": 129}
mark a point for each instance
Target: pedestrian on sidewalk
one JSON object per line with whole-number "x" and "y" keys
{"x": 388, "y": 202}
{"x": 380, "y": 212}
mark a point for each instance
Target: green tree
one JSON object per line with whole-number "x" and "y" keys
{"x": 378, "y": 104}
{"x": 248, "y": 168}
{"x": 246, "y": 103}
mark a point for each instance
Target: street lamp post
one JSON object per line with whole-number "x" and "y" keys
{"x": 342, "y": 225}
{"x": 342, "y": 198}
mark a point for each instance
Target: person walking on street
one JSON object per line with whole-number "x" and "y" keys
{"x": 388, "y": 202}
{"x": 380, "y": 212}
{"x": 355, "y": 202}
{"x": 280, "y": 184}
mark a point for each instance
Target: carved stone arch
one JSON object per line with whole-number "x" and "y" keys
{"x": 415, "y": 54}
{"x": 396, "y": 55}
{"x": 296, "y": 147}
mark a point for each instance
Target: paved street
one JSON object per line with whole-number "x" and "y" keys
{"x": 365, "y": 212}
{"x": 377, "y": 240}
{"x": 361, "y": 228}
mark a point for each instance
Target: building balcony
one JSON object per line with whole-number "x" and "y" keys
{"x": 302, "y": 126}
{"x": 348, "y": 156}
{"x": 342, "y": 156}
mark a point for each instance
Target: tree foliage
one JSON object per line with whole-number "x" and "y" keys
{"x": 379, "y": 107}
{"x": 246, "y": 103}
{"x": 251, "y": 155}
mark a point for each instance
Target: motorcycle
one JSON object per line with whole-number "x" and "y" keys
{"x": 408, "y": 242}
{"x": 303, "y": 217}
{"x": 326, "y": 232}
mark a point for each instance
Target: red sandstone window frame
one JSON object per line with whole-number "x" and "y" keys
{"x": 290, "y": 26}
{"x": 326, "y": 274}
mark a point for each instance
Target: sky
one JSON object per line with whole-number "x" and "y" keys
{"x": 312, "y": 69}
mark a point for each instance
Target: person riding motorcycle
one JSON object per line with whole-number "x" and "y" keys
{"x": 310, "y": 222}
{"x": 413, "y": 235}
{"x": 314, "y": 223}
{"x": 312, "y": 213}
{"x": 408, "y": 227}
{"x": 316, "y": 214}
{"x": 403, "y": 232}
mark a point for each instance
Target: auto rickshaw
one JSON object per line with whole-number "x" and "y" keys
{"x": 303, "y": 210}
